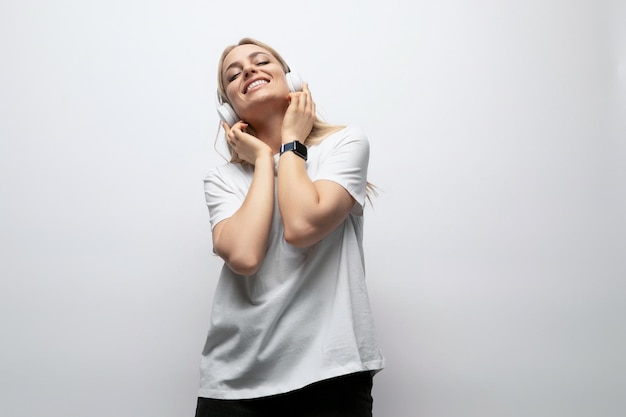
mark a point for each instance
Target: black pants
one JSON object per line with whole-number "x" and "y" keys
{"x": 345, "y": 396}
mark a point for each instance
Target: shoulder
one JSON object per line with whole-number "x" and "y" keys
{"x": 345, "y": 150}
{"x": 228, "y": 172}
{"x": 228, "y": 179}
{"x": 348, "y": 135}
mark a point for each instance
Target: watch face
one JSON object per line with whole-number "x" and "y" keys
{"x": 295, "y": 146}
{"x": 300, "y": 149}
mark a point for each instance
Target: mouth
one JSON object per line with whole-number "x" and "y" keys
{"x": 255, "y": 84}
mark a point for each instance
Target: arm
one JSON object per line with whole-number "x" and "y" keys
{"x": 241, "y": 240}
{"x": 309, "y": 210}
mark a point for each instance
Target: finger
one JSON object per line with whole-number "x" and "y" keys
{"x": 238, "y": 131}
{"x": 232, "y": 134}
{"x": 305, "y": 89}
{"x": 306, "y": 92}
{"x": 301, "y": 99}
{"x": 293, "y": 102}
{"x": 231, "y": 141}
{"x": 304, "y": 101}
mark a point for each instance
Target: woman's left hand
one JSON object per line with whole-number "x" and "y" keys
{"x": 299, "y": 117}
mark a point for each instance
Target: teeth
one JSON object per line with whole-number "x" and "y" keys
{"x": 255, "y": 84}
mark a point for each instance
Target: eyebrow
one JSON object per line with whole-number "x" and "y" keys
{"x": 252, "y": 55}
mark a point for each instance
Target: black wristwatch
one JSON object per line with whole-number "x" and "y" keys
{"x": 295, "y": 146}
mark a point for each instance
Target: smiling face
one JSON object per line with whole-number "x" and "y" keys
{"x": 250, "y": 75}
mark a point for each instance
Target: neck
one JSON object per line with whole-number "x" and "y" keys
{"x": 268, "y": 129}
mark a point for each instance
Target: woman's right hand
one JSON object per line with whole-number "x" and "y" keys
{"x": 245, "y": 146}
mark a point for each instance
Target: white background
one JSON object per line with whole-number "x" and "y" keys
{"x": 496, "y": 248}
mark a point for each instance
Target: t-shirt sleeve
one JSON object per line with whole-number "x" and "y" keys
{"x": 221, "y": 197}
{"x": 346, "y": 164}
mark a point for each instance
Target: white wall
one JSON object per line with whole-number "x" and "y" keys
{"x": 496, "y": 247}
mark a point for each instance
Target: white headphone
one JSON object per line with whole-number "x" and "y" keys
{"x": 226, "y": 111}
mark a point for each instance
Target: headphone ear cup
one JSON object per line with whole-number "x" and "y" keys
{"x": 294, "y": 81}
{"x": 226, "y": 112}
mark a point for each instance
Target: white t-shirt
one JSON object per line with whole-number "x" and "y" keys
{"x": 305, "y": 315}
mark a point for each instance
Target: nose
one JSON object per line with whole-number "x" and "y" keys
{"x": 248, "y": 71}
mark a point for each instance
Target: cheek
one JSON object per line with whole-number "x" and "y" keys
{"x": 232, "y": 94}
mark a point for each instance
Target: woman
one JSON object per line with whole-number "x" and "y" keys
{"x": 291, "y": 331}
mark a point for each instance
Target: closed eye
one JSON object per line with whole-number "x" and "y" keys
{"x": 234, "y": 76}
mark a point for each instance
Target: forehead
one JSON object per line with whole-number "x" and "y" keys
{"x": 242, "y": 52}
